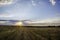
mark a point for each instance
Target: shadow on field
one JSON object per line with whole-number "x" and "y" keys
{"x": 29, "y": 33}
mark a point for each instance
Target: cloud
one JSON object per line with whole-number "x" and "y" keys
{"x": 6, "y": 15}
{"x": 6, "y": 2}
{"x": 33, "y": 3}
{"x": 53, "y": 2}
{"x": 55, "y": 20}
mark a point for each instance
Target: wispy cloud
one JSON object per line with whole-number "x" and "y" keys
{"x": 33, "y": 3}
{"x": 54, "y": 20}
{"x": 53, "y": 2}
{"x": 6, "y": 2}
{"x": 6, "y": 15}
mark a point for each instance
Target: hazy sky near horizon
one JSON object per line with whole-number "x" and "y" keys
{"x": 29, "y": 9}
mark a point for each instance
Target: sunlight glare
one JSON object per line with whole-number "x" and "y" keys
{"x": 19, "y": 24}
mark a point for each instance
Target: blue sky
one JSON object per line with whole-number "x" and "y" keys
{"x": 29, "y": 9}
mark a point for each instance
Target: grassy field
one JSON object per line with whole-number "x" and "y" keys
{"x": 29, "y": 33}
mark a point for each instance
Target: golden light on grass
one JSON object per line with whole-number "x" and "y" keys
{"x": 19, "y": 24}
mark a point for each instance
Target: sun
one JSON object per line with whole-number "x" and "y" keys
{"x": 19, "y": 24}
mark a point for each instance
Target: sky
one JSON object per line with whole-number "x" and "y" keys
{"x": 29, "y": 9}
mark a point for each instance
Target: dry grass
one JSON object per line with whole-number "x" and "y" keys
{"x": 28, "y": 33}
